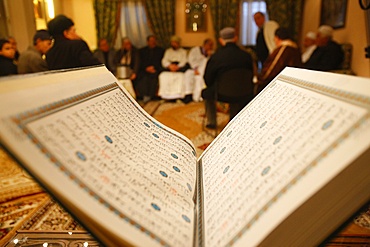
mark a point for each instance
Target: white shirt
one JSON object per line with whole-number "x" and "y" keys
{"x": 196, "y": 57}
{"x": 171, "y": 55}
{"x": 307, "y": 54}
{"x": 269, "y": 29}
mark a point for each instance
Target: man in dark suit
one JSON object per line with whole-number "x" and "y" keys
{"x": 149, "y": 69}
{"x": 68, "y": 50}
{"x": 328, "y": 55}
{"x": 265, "y": 43}
{"x": 229, "y": 56}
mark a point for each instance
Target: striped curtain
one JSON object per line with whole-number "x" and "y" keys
{"x": 133, "y": 24}
{"x": 225, "y": 13}
{"x": 161, "y": 16}
{"x": 107, "y": 17}
{"x": 288, "y": 13}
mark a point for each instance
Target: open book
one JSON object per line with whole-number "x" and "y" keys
{"x": 287, "y": 170}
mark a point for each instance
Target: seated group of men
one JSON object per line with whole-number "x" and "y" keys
{"x": 175, "y": 73}
{"x": 170, "y": 74}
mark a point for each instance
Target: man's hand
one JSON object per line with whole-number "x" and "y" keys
{"x": 150, "y": 69}
{"x": 173, "y": 67}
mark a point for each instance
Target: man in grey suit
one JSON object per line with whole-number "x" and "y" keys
{"x": 105, "y": 55}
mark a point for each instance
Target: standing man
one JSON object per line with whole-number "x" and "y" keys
{"x": 32, "y": 60}
{"x": 229, "y": 56}
{"x": 68, "y": 50}
{"x": 149, "y": 69}
{"x": 265, "y": 43}
{"x": 105, "y": 55}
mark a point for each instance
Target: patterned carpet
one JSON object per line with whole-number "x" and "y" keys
{"x": 25, "y": 206}
{"x": 20, "y": 197}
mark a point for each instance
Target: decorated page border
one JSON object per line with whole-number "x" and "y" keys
{"x": 22, "y": 119}
{"x": 349, "y": 97}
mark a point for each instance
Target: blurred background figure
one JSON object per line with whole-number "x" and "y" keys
{"x": 230, "y": 57}
{"x": 285, "y": 54}
{"x": 33, "y": 59}
{"x": 149, "y": 69}
{"x": 13, "y": 43}
{"x": 68, "y": 50}
{"x": 328, "y": 54}
{"x": 194, "y": 81}
{"x": 7, "y": 53}
{"x": 126, "y": 61}
{"x": 105, "y": 54}
{"x": 174, "y": 62}
{"x": 265, "y": 43}
{"x": 309, "y": 44}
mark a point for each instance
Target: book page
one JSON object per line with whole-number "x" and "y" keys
{"x": 275, "y": 141}
{"x": 105, "y": 146}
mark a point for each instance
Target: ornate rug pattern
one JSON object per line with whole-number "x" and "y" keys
{"x": 25, "y": 206}
{"x": 14, "y": 181}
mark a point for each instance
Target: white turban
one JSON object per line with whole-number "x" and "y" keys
{"x": 311, "y": 35}
{"x": 326, "y": 31}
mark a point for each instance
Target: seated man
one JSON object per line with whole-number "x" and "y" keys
{"x": 7, "y": 54}
{"x": 14, "y": 45}
{"x": 31, "y": 60}
{"x": 105, "y": 54}
{"x": 285, "y": 54}
{"x": 328, "y": 55}
{"x": 68, "y": 50}
{"x": 194, "y": 82}
{"x": 126, "y": 62}
{"x": 127, "y": 57}
{"x": 229, "y": 56}
{"x": 149, "y": 69}
{"x": 171, "y": 81}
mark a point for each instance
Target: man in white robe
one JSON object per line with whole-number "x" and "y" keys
{"x": 194, "y": 81}
{"x": 171, "y": 81}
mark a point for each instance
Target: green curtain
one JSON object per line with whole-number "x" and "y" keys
{"x": 288, "y": 13}
{"x": 161, "y": 16}
{"x": 107, "y": 17}
{"x": 225, "y": 13}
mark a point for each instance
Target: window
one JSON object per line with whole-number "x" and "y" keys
{"x": 133, "y": 23}
{"x": 248, "y": 29}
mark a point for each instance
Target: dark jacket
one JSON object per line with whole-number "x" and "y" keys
{"x": 227, "y": 57}
{"x": 150, "y": 57}
{"x": 7, "y": 66}
{"x": 326, "y": 58}
{"x": 66, "y": 53}
{"x": 107, "y": 59}
{"x": 287, "y": 54}
{"x": 134, "y": 65}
